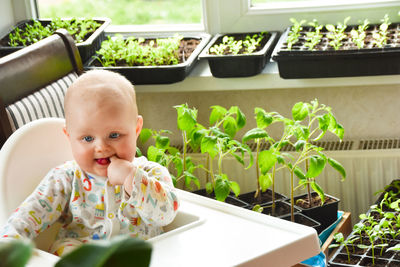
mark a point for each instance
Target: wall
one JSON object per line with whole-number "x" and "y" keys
{"x": 364, "y": 111}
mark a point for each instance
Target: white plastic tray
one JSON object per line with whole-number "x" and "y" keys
{"x": 207, "y": 232}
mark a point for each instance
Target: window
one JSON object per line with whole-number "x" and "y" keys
{"x": 132, "y": 12}
{"x": 216, "y": 16}
{"x": 256, "y": 15}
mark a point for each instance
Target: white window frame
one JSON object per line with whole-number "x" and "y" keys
{"x": 239, "y": 16}
{"x": 224, "y": 16}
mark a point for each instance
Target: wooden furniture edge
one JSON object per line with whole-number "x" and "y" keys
{"x": 344, "y": 226}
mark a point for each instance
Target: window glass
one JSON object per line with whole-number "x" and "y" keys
{"x": 137, "y": 12}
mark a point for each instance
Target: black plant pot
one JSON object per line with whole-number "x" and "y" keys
{"x": 325, "y": 214}
{"x": 163, "y": 74}
{"x": 231, "y": 199}
{"x": 242, "y": 65}
{"x": 304, "y": 220}
{"x": 323, "y": 61}
{"x": 266, "y": 197}
{"x": 86, "y": 48}
{"x": 282, "y": 209}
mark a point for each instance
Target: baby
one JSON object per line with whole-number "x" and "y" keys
{"x": 105, "y": 191}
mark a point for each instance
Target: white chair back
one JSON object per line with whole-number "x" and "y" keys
{"x": 26, "y": 157}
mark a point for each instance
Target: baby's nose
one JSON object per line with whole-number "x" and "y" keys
{"x": 101, "y": 146}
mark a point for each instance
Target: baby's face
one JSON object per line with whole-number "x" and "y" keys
{"x": 98, "y": 131}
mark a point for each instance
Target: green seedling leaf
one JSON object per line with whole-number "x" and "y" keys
{"x": 299, "y": 145}
{"x": 189, "y": 177}
{"x": 300, "y": 174}
{"x": 186, "y": 117}
{"x": 317, "y": 165}
{"x": 138, "y": 152}
{"x": 263, "y": 118}
{"x": 337, "y": 166}
{"x": 222, "y": 187}
{"x": 119, "y": 251}
{"x": 300, "y": 111}
{"x": 265, "y": 181}
{"x": 240, "y": 119}
{"x": 258, "y": 208}
{"x": 154, "y": 154}
{"x": 208, "y": 145}
{"x": 145, "y": 135}
{"x": 230, "y": 126}
{"x": 266, "y": 161}
{"x": 255, "y": 133}
{"x": 235, "y": 187}
{"x": 162, "y": 142}
{"x": 209, "y": 188}
{"x": 217, "y": 114}
{"x": 319, "y": 191}
{"x": 15, "y": 253}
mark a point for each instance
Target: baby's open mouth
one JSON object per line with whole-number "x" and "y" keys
{"x": 103, "y": 161}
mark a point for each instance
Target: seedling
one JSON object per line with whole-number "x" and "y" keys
{"x": 358, "y": 36}
{"x": 137, "y": 52}
{"x": 310, "y": 123}
{"x": 218, "y": 143}
{"x": 341, "y": 241}
{"x": 35, "y": 31}
{"x": 266, "y": 160}
{"x": 232, "y": 46}
{"x": 380, "y": 37}
{"x": 314, "y": 37}
{"x": 336, "y": 34}
{"x": 294, "y": 33}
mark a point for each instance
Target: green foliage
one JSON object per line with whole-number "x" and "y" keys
{"x": 358, "y": 36}
{"x": 380, "y": 37}
{"x": 117, "y": 252}
{"x": 15, "y": 253}
{"x": 117, "y": 51}
{"x": 314, "y": 37}
{"x": 294, "y": 33}
{"x": 32, "y": 32}
{"x": 336, "y": 34}
{"x": 233, "y": 46}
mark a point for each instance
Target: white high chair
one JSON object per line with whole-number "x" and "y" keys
{"x": 27, "y": 155}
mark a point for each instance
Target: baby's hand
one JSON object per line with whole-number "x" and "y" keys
{"x": 121, "y": 172}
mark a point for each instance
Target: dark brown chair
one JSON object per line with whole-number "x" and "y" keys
{"x": 33, "y": 81}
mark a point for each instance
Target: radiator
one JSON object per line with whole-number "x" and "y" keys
{"x": 370, "y": 166}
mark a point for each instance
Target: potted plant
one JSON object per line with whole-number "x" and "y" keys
{"x": 218, "y": 142}
{"x": 239, "y": 54}
{"x": 316, "y": 51}
{"x": 265, "y": 159}
{"x": 87, "y": 33}
{"x": 150, "y": 59}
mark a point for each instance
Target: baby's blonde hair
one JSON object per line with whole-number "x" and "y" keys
{"x": 100, "y": 84}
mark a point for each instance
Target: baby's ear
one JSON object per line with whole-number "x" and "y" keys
{"x": 65, "y": 131}
{"x": 139, "y": 125}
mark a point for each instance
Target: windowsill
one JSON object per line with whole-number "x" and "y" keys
{"x": 201, "y": 79}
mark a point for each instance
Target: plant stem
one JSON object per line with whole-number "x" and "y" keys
{"x": 184, "y": 150}
{"x": 258, "y": 193}
{"x": 292, "y": 195}
{"x": 273, "y": 190}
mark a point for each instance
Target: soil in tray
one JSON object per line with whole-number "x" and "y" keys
{"x": 394, "y": 264}
{"x": 377, "y": 262}
{"x": 343, "y": 258}
{"x": 386, "y": 254}
{"x": 353, "y": 250}
{"x": 315, "y": 201}
{"x": 281, "y": 208}
{"x": 186, "y": 48}
{"x": 264, "y": 198}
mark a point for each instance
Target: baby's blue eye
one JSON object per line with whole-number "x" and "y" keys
{"x": 114, "y": 135}
{"x": 88, "y": 138}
